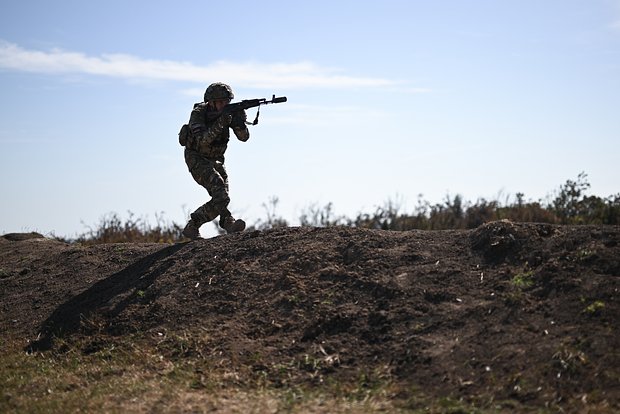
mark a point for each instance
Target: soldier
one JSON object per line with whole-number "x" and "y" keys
{"x": 204, "y": 155}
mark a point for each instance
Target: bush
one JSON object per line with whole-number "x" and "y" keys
{"x": 570, "y": 205}
{"x": 111, "y": 229}
{"x": 272, "y": 220}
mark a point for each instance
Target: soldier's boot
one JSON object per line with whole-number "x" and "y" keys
{"x": 191, "y": 230}
{"x": 231, "y": 225}
{"x": 202, "y": 215}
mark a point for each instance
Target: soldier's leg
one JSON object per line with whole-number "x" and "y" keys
{"x": 216, "y": 187}
{"x": 219, "y": 167}
{"x": 227, "y": 222}
{"x": 206, "y": 174}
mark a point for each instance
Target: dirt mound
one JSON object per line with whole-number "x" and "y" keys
{"x": 511, "y": 312}
{"x": 22, "y": 236}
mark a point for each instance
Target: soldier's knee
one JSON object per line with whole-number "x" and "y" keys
{"x": 221, "y": 200}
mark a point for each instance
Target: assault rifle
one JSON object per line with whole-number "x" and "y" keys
{"x": 246, "y": 104}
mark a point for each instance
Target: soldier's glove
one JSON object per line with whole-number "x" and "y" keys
{"x": 238, "y": 119}
{"x": 225, "y": 119}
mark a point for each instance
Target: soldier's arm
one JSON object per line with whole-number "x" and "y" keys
{"x": 239, "y": 126}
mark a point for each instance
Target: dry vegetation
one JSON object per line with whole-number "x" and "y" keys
{"x": 569, "y": 205}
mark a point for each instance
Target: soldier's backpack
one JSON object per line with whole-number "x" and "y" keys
{"x": 184, "y": 135}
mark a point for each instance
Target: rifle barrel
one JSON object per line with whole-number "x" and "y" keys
{"x": 278, "y": 100}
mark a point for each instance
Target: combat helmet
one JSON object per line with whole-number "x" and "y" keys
{"x": 218, "y": 90}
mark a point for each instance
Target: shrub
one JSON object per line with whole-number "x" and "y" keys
{"x": 570, "y": 205}
{"x": 112, "y": 229}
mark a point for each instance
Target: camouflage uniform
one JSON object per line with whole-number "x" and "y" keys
{"x": 204, "y": 156}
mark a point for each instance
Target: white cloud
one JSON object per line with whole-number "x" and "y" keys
{"x": 248, "y": 74}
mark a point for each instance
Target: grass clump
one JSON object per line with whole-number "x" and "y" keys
{"x": 595, "y": 308}
{"x": 523, "y": 280}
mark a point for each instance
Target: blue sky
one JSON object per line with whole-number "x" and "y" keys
{"x": 387, "y": 100}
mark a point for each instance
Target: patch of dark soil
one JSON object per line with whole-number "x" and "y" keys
{"x": 521, "y": 313}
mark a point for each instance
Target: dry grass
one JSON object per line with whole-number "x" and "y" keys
{"x": 130, "y": 376}
{"x": 569, "y": 205}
